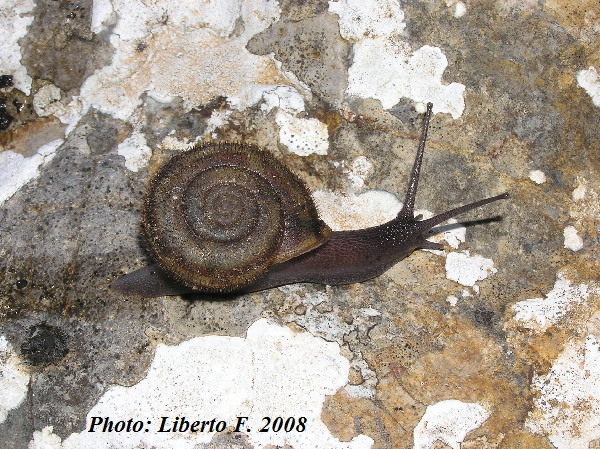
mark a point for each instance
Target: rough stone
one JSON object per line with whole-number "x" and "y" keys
{"x": 413, "y": 338}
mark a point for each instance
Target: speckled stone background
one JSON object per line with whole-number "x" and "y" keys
{"x": 433, "y": 363}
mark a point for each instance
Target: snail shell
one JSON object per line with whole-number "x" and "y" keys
{"x": 217, "y": 216}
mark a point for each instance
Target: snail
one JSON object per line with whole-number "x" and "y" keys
{"x": 231, "y": 218}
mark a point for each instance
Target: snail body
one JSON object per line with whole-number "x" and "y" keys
{"x": 226, "y": 218}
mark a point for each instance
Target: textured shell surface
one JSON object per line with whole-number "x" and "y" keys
{"x": 216, "y": 216}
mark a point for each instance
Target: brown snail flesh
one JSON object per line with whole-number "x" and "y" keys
{"x": 228, "y": 218}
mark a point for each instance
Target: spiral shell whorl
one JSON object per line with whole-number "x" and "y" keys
{"x": 217, "y": 216}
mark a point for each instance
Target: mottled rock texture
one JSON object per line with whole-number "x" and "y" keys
{"x": 66, "y": 235}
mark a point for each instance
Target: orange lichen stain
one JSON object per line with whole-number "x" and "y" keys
{"x": 519, "y": 439}
{"x": 538, "y": 351}
{"x": 453, "y": 360}
{"x": 346, "y": 417}
{"x": 332, "y": 118}
{"x": 27, "y": 138}
{"x": 585, "y": 211}
{"x": 483, "y": 443}
{"x": 566, "y": 81}
{"x": 582, "y": 270}
{"x": 440, "y": 445}
{"x": 468, "y": 366}
{"x": 577, "y": 15}
{"x": 401, "y": 411}
{"x": 510, "y": 156}
{"x": 270, "y": 74}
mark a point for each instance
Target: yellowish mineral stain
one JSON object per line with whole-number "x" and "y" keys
{"x": 27, "y": 138}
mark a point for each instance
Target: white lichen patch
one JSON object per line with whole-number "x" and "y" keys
{"x": 403, "y": 73}
{"x": 579, "y": 191}
{"x": 454, "y": 236}
{"x": 315, "y": 312}
{"x": 537, "y": 176}
{"x": 361, "y": 19}
{"x": 366, "y": 389}
{"x": 14, "y": 379}
{"x": 17, "y": 170}
{"x": 135, "y": 151}
{"x": 448, "y": 421}
{"x": 459, "y": 7}
{"x": 173, "y": 143}
{"x": 538, "y": 314}
{"x": 572, "y": 241}
{"x": 346, "y": 212}
{"x": 590, "y": 81}
{"x": 216, "y": 120}
{"x": 387, "y": 68}
{"x": 452, "y": 300}
{"x": 567, "y": 406}
{"x": 317, "y": 319}
{"x": 185, "y": 49}
{"x": 14, "y": 19}
{"x": 585, "y": 208}
{"x": 270, "y": 96}
{"x": 45, "y": 439}
{"x": 46, "y": 101}
{"x": 302, "y": 136}
{"x": 323, "y": 318}
{"x": 285, "y": 98}
{"x": 360, "y": 169}
{"x": 272, "y": 372}
{"x": 465, "y": 269}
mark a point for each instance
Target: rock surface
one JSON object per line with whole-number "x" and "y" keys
{"x": 500, "y": 332}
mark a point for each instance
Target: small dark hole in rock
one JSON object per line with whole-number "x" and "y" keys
{"x": 45, "y": 344}
{"x": 484, "y": 317}
{"x": 6, "y": 81}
